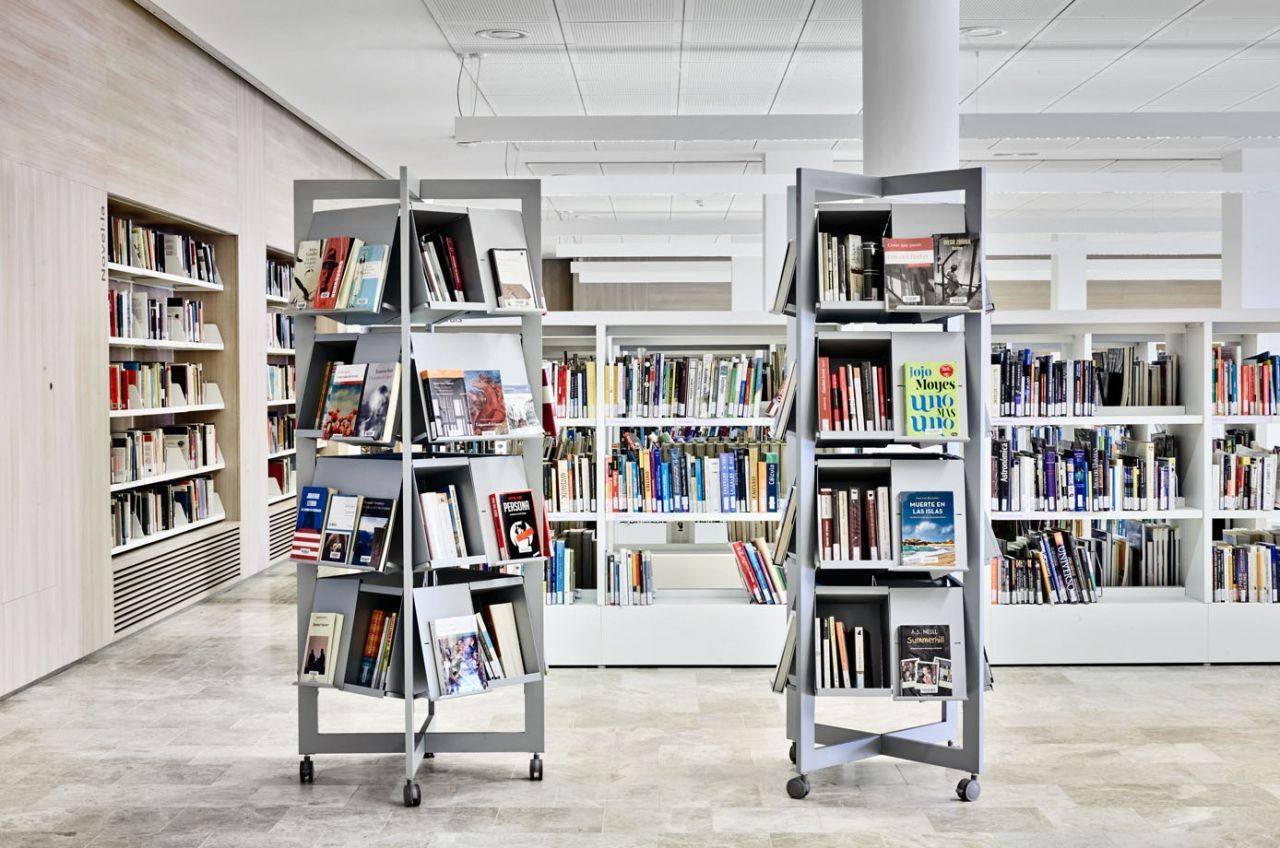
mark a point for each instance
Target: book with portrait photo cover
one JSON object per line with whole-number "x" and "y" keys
{"x": 923, "y": 651}
{"x": 376, "y": 419}
{"x": 319, "y": 658}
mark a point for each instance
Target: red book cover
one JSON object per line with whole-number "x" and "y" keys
{"x": 824, "y": 393}
{"x": 748, "y": 573}
{"x": 496, "y": 514}
{"x": 870, "y": 525}
{"x": 825, "y": 501}
{"x": 882, "y": 400}
{"x": 333, "y": 261}
{"x": 453, "y": 268}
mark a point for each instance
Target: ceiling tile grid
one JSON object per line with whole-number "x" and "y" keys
{"x": 725, "y": 104}
{"x": 618, "y": 10}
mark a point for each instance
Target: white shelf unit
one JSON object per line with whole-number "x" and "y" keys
{"x": 1146, "y": 625}
{"x": 279, "y": 305}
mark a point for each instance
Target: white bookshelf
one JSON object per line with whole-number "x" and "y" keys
{"x": 177, "y": 282}
{"x": 1178, "y": 624}
{"x": 276, "y": 355}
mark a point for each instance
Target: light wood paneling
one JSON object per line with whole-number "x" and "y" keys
{"x": 651, "y": 297}
{"x": 1153, "y": 294}
{"x": 1019, "y": 294}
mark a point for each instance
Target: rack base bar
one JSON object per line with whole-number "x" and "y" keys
{"x": 485, "y": 742}
{"x": 360, "y": 743}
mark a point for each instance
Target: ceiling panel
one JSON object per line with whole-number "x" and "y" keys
{"x": 638, "y": 168}
{"x": 1027, "y": 9}
{"x": 540, "y": 78}
{"x": 618, "y": 10}
{"x": 646, "y": 146}
{"x": 534, "y": 105}
{"x": 726, "y": 77}
{"x": 622, "y": 55}
{"x": 835, "y": 32}
{"x": 628, "y": 78}
{"x": 632, "y": 33}
{"x": 584, "y": 203}
{"x": 522, "y": 54}
{"x": 1064, "y": 166}
{"x": 738, "y": 146}
{"x": 836, "y": 10}
{"x": 555, "y": 169}
{"x": 722, "y": 168}
{"x": 645, "y": 204}
{"x": 742, "y": 32}
{"x": 736, "y": 53}
{"x": 746, "y": 10}
{"x": 1095, "y": 31}
{"x": 1193, "y": 101}
{"x": 725, "y": 104}
{"x": 819, "y": 76}
{"x": 462, "y": 34}
{"x": 630, "y": 104}
{"x": 1165, "y": 9}
{"x": 1262, "y": 9}
{"x": 497, "y": 12}
{"x": 1236, "y": 32}
{"x": 746, "y": 203}
{"x": 1267, "y": 100}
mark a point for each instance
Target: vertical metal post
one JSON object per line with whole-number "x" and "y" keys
{"x": 406, "y": 481}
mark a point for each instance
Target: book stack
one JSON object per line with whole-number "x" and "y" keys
{"x": 159, "y": 508}
{"x": 375, "y": 658}
{"x": 652, "y": 384}
{"x": 280, "y": 430}
{"x": 840, "y": 655}
{"x": 1244, "y": 476}
{"x": 1044, "y": 567}
{"x": 1244, "y": 385}
{"x": 848, "y": 269}
{"x": 442, "y": 521}
{"x": 854, "y": 524}
{"x": 133, "y": 314}
{"x": 339, "y": 273}
{"x": 573, "y": 386}
{"x": 343, "y": 529}
{"x": 1100, "y": 470}
{"x": 579, "y": 554}
{"x": 629, "y": 578}
{"x": 280, "y": 331}
{"x": 1246, "y": 567}
{"x": 155, "y": 385}
{"x": 359, "y": 401}
{"x": 1125, "y": 378}
{"x": 281, "y": 379}
{"x": 1026, "y": 384}
{"x": 764, "y": 580}
{"x": 141, "y": 453}
{"x": 477, "y": 402}
{"x": 154, "y": 249}
{"x": 279, "y": 278}
{"x": 693, "y": 477}
{"x": 445, "y": 283}
{"x": 854, "y": 396}
{"x": 569, "y": 472}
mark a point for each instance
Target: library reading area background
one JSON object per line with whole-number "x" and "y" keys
{"x": 753, "y": 423}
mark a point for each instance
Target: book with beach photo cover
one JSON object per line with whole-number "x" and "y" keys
{"x": 928, "y": 530}
{"x": 924, "y": 660}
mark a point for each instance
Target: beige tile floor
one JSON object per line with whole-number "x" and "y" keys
{"x": 184, "y": 736}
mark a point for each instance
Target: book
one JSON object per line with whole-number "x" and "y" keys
{"x": 372, "y": 646}
{"x": 313, "y": 510}
{"x": 957, "y": 279}
{"x": 928, "y": 529}
{"x": 342, "y": 400}
{"x": 366, "y": 292}
{"x": 339, "y": 527}
{"x": 932, "y": 392}
{"x": 920, "y": 646}
{"x": 788, "y": 654}
{"x": 333, "y": 263}
{"x": 859, "y": 658}
{"x": 786, "y": 280}
{"x": 908, "y": 272}
{"x": 383, "y": 668}
{"x": 516, "y": 524}
{"x": 376, "y": 419}
{"x": 442, "y": 522}
{"x": 373, "y": 528}
{"x": 523, "y": 415}
{"x": 320, "y": 657}
{"x": 486, "y": 405}
{"x": 450, "y": 413}
{"x": 350, "y": 275}
{"x": 512, "y": 278}
{"x": 458, "y": 655}
{"x": 496, "y": 671}
{"x": 506, "y": 636}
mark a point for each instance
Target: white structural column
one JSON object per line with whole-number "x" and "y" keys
{"x": 777, "y": 211}
{"x": 910, "y": 88}
{"x": 1068, "y": 272}
{"x": 1250, "y": 249}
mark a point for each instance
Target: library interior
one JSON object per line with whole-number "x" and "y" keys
{"x": 685, "y": 419}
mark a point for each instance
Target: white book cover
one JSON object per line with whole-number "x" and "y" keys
{"x": 507, "y": 639}
{"x": 320, "y": 655}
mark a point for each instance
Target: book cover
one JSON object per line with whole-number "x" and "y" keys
{"x": 370, "y": 547}
{"x": 324, "y": 631}
{"x": 522, "y": 413}
{"x": 313, "y": 509}
{"x": 928, "y": 529}
{"x": 377, "y": 416}
{"x": 339, "y": 527}
{"x": 458, "y": 657}
{"x": 306, "y": 273}
{"x": 920, "y": 647}
{"x": 933, "y": 399}
{"x": 502, "y": 620}
{"x": 486, "y": 405}
{"x": 333, "y": 262}
{"x": 447, "y": 391}
{"x": 350, "y": 275}
{"x": 372, "y": 644}
{"x": 512, "y": 278}
{"x": 908, "y": 272}
{"x": 366, "y": 293}
{"x": 517, "y": 516}
{"x": 957, "y": 279}
{"x": 342, "y": 400}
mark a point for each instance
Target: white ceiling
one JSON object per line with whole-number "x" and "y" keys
{"x": 385, "y": 77}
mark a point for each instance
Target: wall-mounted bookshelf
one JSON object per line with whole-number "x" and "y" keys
{"x": 1148, "y": 623}
{"x": 282, "y": 400}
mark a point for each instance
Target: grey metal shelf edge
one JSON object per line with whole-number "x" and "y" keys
{"x": 405, "y": 308}
{"x": 813, "y": 745}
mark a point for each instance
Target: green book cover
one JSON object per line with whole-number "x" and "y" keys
{"x": 933, "y": 398}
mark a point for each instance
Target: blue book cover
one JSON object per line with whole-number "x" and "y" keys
{"x": 367, "y": 293}
{"x": 665, "y": 478}
{"x": 313, "y": 506}
{"x": 771, "y": 481}
{"x": 766, "y": 587}
{"x": 1080, "y": 479}
{"x": 1051, "y": 480}
{"x": 928, "y": 529}
{"x": 724, "y": 483}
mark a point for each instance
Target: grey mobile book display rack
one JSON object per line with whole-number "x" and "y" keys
{"x": 413, "y": 585}
{"x": 878, "y": 595}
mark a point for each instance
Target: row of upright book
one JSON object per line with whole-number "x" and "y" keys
{"x": 1244, "y": 385}
{"x": 1026, "y": 383}
{"x": 155, "y": 385}
{"x": 139, "y": 453}
{"x": 135, "y": 314}
{"x": 689, "y": 478}
{"x": 653, "y": 384}
{"x": 569, "y": 471}
{"x": 1246, "y": 567}
{"x": 139, "y": 513}
{"x": 154, "y": 248}
{"x": 1243, "y": 473}
{"x": 281, "y": 381}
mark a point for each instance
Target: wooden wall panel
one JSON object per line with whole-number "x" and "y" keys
{"x": 1152, "y": 294}
{"x": 656, "y": 297}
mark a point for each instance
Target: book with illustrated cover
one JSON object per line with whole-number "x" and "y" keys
{"x": 512, "y": 277}
{"x": 516, "y": 524}
{"x": 957, "y": 278}
{"x": 920, "y": 648}
{"x": 372, "y": 646}
{"x": 333, "y": 265}
{"x": 370, "y": 277}
{"x": 447, "y": 391}
{"x": 486, "y": 406}
{"x": 459, "y": 657}
{"x": 928, "y": 529}
{"x": 320, "y": 656}
{"x": 522, "y": 414}
{"x": 339, "y": 528}
{"x": 350, "y": 275}
{"x": 908, "y": 272}
{"x": 306, "y": 273}
{"x": 377, "y": 416}
{"x": 313, "y": 509}
{"x": 373, "y": 528}
{"x": 342, "y": 400}
{"x": 932, "y": 392}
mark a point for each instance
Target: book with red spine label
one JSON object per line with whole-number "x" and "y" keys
{"x": 824, "y": 393}
{"x": 333, "y": 263}
{"x": 454, "y": 270}
{"x": 747, "y": 573}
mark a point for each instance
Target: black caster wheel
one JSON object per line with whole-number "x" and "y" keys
{"x": 412, "y": 794}
{"x": 306, "y": 771}
{"x": 428, "y": 756}
{"x": 535, "y": 768}
{"x": 968, "y": 789}
{"x": 791, "y": 753}
{"x": 798, "y": 787}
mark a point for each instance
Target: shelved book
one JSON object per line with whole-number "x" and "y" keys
{"x": 379, "y": 639}
{"x": 339, "y": 273}
{"x": 320, "y": 656}
{"x": 308, "y": 531}
{"x": 924, "y": 660}
{"x": 442, "y": 522}
{"x": 133, "y": 313}
{"x": 1125, "y": 378}
{"x": 629, "y": 578}
{"x": 1244, "y": 385}
{"x": 928, "y": 529}
{"x": 764, "y": 580}
{"x": 569, "y": 471}
{"x": 708, "y": 476}
{"x": 512, "y": 278}
{"x": 499, "y": 620}
{"x": 280, "y": 430}
{"x": 840, "y": 655}
{"x": 342, "y": 529}
{"x": 141, "y": 453}
{"x": 1025, "y": 383}
{"x": 560, "y": 573}
{"x": 1246, "y": 567}
{"x": 359, "y": 401}
{"x": 370, "y": 543}
{"x": 780, "y": 407}
{"x": 932, "y": 395}
{"x": 279, "y": 278}
{"x": 459, "y": 655}
{"x": 139, "y": 513}
{"x": 281, "y": 382}
{"x": 516, "y": 524}
{"x": 476, "y": 402}
{"x": 158, "y": 249}
{"x": 573, "y": 385}
{"x": 848, "y": 269}
{"x": 445, "y": 282}
{"x": 854, "y": 396}
{"x": 854, "y": 523}
{"x": 155, "y": 385}
{"x": 281, "y": 332}
{"x": 654, "y": 384}
{"x": 1243, "y": 476}
{"x": 281, "y": 472}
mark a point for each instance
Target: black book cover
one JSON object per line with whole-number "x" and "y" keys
{"x": 924, "y": 660}
{"x": 521, "y": 530}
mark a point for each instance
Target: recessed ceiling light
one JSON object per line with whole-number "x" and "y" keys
{"x": 1017, "y": 155}
{"x": 982, "y": 31}
{"x": 503, "y": 34}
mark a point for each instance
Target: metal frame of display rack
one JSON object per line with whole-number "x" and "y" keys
{"x": 816, "y": 746}
{"x": 418, "y": 741}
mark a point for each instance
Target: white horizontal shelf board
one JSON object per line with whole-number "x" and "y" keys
{"x": 166, "y": 410}
{"x": 281, "y": 351}
{"x": 667, "y": 517}
{"x": 167, "y": 534}
{"x": 571, "y": 516}
{"x": 282, "y": 401}
{"x": 159, "y": 278}
{"x": 1246, "y": 513}
{"x": 761, "y": 421}
{"x": 489, "y": 437}
{"x": 168, "y": 475}
{"x": 280, "y": 498}
{"x": 282, "y": 454}
{"x": 277, "y": 300}
{"x": 162, "y": 344}
{"x": 1033, "y": 515}
{"x": 1246, "y": 419}
{"x": 575, "y": 422}
{"x": 1093, "y": 420}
